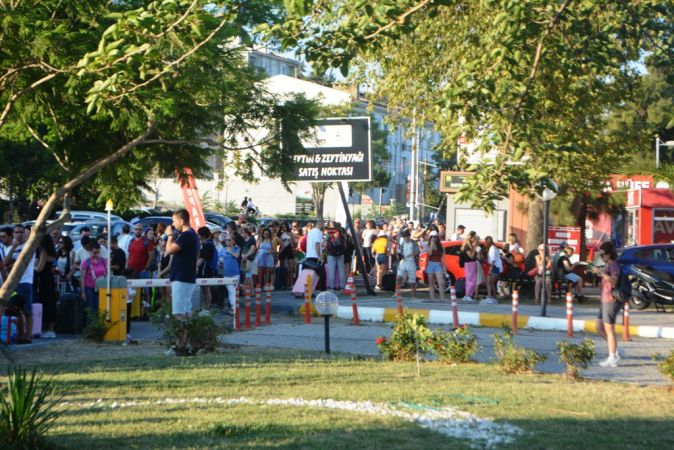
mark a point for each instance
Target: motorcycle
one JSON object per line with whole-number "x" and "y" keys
{"x": 650, "y": 286}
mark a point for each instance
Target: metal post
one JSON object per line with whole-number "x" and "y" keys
{"x": 107, "y": 292}
{"x": 327, "y": 333}
{"x": 358, "y": 248}
{"x": 657, "y": 151}
{"x": 544, "y": 293}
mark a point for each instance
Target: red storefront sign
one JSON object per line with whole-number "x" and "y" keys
{"x": 663, "y": 226}
{"x": 569, "y": 235}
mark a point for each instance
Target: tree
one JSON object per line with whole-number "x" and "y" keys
{"x": 531, "y": 79}
{"x": 92, "y": 81}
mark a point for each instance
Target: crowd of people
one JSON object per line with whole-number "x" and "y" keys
{"x": 273, "y": 256}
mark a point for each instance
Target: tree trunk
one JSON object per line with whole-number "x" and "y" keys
{"x": 535, "y": 221}
{"x": 40, "y": 227}
{"x": 318, "y": 197}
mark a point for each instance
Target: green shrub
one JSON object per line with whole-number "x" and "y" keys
{"x": 666, "y": 366}
{"x": 202, "y": 333}
{"x": 97, "y": 327}
{"x": 514, "y": 359}
{"x": 26, "y": 410}
{"x": 574, "y": 355}
{"x": 456, "y": 347}
{"x": 410, "y": 339}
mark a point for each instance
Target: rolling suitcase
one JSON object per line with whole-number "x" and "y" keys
{"x": 69, "y": 314}
{"x": 388, "y": 281}
{"x": 298, "y": 288}
{"x": 37, "y": 320}
{"x": 460, "y": 288}
{"x": 281, "y": 279}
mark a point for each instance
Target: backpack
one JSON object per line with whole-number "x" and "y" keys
{"x": 623, "y": 289}
{"x": 213, "y": 263}
{"x": 336, "y": 244}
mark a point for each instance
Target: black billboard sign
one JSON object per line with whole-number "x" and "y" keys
{"x": 339, "y": 152}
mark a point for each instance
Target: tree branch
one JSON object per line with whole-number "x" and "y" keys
{"x": 14, "y": 97}
{"x": 45, "y": 145}
{"x": 398, "y": 20}
{"x": 534, "y": 70}
{"x": 39, "y": 228}
{"x": 173, "y": 63}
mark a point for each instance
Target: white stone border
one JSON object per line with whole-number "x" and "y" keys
{"x": 451, "y": 422}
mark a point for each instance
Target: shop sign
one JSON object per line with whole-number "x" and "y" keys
{"x": 451, "y": 182}
{"x": 558, "y": 235}
{"x": 663, "y": 226}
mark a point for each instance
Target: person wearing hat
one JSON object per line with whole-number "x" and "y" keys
{"x": 408, "y": 250}
{"x": 435, "y": 270}
{"x": 380, "y": 254}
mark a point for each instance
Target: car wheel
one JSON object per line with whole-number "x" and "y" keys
{"x": 449, "y": 282}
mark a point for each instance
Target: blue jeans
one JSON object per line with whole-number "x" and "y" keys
{"x": 25, "y": 290}
{"x": 92, "y": 299}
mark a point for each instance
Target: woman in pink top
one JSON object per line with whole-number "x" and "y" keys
{"x": 609, "y": 306}
{"x": 92, "y": 269}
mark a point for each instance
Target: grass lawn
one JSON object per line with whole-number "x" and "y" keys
{"x": 551, "y": 412}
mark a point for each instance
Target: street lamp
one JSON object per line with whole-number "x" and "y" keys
{"x": 546, "y": 195}
{"x": 326, "y": 304}
{"x": 108, "y": 208}
{"x": 659, "y": 143}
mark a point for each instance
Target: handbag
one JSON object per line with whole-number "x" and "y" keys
{"x": 533, "y": 272}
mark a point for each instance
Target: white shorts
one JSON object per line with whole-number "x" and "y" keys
{"x": 409, "y": 268}
{"x": 181, "y": 297}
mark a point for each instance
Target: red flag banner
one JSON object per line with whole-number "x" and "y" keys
{"x": 191, "y": 197}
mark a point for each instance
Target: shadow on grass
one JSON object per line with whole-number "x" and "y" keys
{"x": 555, "y": 434}
{"x": 273, "y": 436}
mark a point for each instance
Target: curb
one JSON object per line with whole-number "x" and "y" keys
{"x": 489, "y": 320}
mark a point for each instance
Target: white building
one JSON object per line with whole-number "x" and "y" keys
{"x": 269, "y": 195}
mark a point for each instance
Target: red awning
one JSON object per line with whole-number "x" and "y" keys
{"x": 657, "y": 198}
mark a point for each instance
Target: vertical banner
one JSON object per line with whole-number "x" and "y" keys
{"x": 191, "y": 197}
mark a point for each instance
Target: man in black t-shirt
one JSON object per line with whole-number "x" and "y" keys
{"x": 183, "y": 244}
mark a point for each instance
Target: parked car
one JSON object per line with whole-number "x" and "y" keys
{"x": 453, "y": 272}
{"x": 83, "y": 216}
{"x": 217, "y": 219}
{"x": 153, "y": 221}
{"x": 657, "y": 256}
{"x": 95, "y": 227}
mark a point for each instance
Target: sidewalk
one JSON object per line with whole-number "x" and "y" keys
{"x": 636, "y": 366}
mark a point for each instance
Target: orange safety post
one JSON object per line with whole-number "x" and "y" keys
{"x": 246, "y": 321}
{"x": 267, "y": 305}
{"x": 237, "y": 310}
{"x": 516, "y": 302}
{"x": 258, "y": 306}
{"x": 569, "y": 314}
{"x": 350, "y": 287}
{"x": 455, "y": 308}
{"x": 354, "y": 306}
{"x": 307, "y": 304}
{"x": 399, "y": 299}
{"x": 626, "y": 322}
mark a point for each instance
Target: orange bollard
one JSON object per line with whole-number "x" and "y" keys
{"x": 399, "y": 299}
{"x": 455, "y": 307}
{"x": 354, "y": 307}
{"x": 246, "y": 321}
{"x": 307, "y": 304}
{"x": 258, "y": 306}
{"x": 626, "y": 322}
{"x": 350, "y": 287}
{"x": 237, "y": 310}
{"x": 569, "y": 314}
{"x": 516, "y": 302}
{"x": 267, "y": 306}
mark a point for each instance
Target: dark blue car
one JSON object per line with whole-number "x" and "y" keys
{"x": 657, "y": 256}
